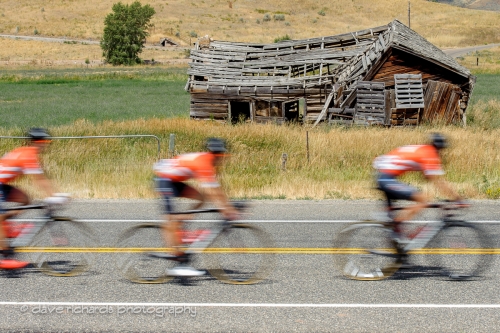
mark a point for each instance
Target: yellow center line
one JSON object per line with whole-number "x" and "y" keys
{"x": 284, "y": 250}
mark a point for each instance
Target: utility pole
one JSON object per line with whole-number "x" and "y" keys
{"x": 409, "y": 25}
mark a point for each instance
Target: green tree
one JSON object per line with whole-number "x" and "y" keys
{"x": 125, "y": 32}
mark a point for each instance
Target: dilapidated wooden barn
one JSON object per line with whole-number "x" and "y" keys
{"x": 388, "y": 75}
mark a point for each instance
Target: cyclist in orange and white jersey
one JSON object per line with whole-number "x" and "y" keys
{"x": 22, "y": 161}
{"x": 171, "y": 177}
{"x": 421, "y": 158}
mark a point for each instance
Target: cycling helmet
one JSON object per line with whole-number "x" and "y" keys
{"x": 438, "y": 141}
{"x": 36, "y": 134}
{"x": 216, "y": 145}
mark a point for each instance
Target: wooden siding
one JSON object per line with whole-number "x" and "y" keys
{"x": 442, "y": 102}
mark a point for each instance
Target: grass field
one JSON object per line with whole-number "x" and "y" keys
{"x": 142, "y": 100}
{"x": 60, "y": 97}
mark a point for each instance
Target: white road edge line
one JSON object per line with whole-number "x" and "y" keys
{"x": 260, "y": 305}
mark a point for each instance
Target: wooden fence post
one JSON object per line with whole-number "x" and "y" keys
{"x": 284, "y": 157}
{"x": 171, "y": 145}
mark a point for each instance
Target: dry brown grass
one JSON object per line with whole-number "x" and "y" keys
{"x": 15, "y": 52}
{"x": 485, "y": 61}
{"x": 443, "y": 25}
{"x": 339, "y": 163}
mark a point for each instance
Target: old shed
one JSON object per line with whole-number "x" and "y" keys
{"x": 388, "y": 75}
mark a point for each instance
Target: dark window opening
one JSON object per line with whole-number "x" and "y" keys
{"x": 240, "y": 111}
{"x": 292, "y": 111}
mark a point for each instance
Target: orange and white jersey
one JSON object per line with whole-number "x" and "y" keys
{"x": 199, "y": 166}
{"x": 423, "y": 158}
{"x": 23, "y": 160}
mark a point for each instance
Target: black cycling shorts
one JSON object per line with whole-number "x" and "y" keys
{"x": 393, "y": 188}
{"x": 5, "y": 190}
{"x": 169, "y": 190}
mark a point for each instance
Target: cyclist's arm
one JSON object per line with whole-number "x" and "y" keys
{"x": 217, "y": 195}
{"x": 44, "y": 183}
{"x": 444, "y": 187}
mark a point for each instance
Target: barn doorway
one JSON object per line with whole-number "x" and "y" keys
{"x": 240, "y": 111}
{"x": 293, "y": 110}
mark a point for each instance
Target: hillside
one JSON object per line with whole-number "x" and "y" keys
{"x": 492, "y": 5}
{"x": 443, "y": 25}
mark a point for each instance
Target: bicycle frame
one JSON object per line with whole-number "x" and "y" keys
{"x": 428, "y": 232}
{"x": 27, "y": 234}
{"x": 200, "y": 245}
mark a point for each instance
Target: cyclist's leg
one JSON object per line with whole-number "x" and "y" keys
{"x": 395, "y": 190}
{"x": 175, "y": 221}
{"x": 9, "y": 193}
{"x": 166, "y": 187}
{"x": 410, "y": 212}
{"x": 173, "y": 224}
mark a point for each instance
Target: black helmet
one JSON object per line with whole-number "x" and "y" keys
{"x": 216, "y": 145}
{"x": 438, "y": 141}
{"x": 36, "y": 134}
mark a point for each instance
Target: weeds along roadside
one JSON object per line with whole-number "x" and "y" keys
{"x": 339, "y": 165}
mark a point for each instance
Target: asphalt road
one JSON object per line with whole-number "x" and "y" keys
{"x": 303, "y": 294}
{"x": 465, "y": 50}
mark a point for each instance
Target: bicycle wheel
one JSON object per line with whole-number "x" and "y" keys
{"x": 240, "y": 255}
{"x": 63, "y": 247}
{"x": 365, "y": 251}
{"x": 141, "y": 256}
{"x": 460, "y": 251}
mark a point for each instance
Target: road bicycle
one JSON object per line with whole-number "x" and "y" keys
{"x": 457, "y": 249}
{"x": 233, "y": 252}
{"x": 57, "y": 246}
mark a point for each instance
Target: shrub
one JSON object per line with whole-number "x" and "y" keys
{"x": 125, "y": 32}
{"x": 35, "y": 32}
{"x": 266, "y": 18}
{"x": 282, "y": 38}
{"x": 193, "y": 34}
{"x": 257, "y": 21}
{"x": 322, "y": 12}
{"x": 279, "y": 17}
